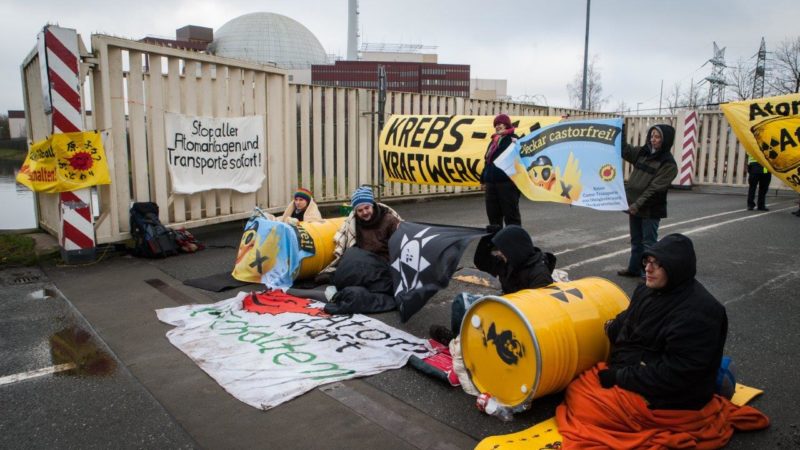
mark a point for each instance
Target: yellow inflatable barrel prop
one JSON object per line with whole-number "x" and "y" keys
{"x": 532, "y": 343}
{"x": 321, "y": 234}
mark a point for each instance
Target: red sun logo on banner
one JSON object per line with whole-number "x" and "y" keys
{"x": 276, "y": 302}
{"x": 81, "y": 161}
{"x": 608, "y": 172}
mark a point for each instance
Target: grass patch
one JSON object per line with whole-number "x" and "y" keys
{"x": 17, "y": 250}
{"x": 12, "y": 155}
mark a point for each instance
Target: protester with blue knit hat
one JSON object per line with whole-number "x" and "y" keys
{"x": 361, "y": 195}
{"x": 368, "y": 227}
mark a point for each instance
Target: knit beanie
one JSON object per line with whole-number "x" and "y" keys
{"x": 304, "y": 194}
{"x": 504, "y": 119}
{"x": 361, "y": 195}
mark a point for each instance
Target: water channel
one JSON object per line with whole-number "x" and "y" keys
{"x": 16, "y": 201}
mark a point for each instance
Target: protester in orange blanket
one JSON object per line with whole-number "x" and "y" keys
{"x": 658, "y": 387}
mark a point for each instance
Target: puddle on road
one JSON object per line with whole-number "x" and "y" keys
{"x": 42, "y": 294}
{"x": 75, "y": 345}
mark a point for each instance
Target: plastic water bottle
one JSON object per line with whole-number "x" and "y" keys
{"x": 491, "y": 406}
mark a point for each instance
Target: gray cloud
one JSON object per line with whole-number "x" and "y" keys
{"x": 536, "y": 45}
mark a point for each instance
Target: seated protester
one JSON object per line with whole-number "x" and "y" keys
{"x": 510, "y": 256}
{"x": 302, "y": 208}
{"x": 360, "y": 269}
{"x": 369, "y": 226}
{"x": 658, "y": 387}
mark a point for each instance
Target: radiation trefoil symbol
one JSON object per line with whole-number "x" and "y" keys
{"x": 410, "y": 263}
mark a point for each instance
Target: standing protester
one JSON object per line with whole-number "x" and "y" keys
{"x": 654, "y": 168}
{"x": 502, "y": 195}
{"x": 757, "y": 175}
{"x": 302, "y": 208}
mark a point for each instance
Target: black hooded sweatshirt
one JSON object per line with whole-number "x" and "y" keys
{"x": 527, "y": 267}
{"x": 667, "y": 346}
{"x": 652, "y": 174}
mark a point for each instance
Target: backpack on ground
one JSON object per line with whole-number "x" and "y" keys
{"x": 151, "y": 239}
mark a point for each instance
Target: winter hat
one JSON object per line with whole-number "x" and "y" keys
{"x": 304, "y": 194}
{"x": 504, "y": 119}
{"x": 362, "y": 194}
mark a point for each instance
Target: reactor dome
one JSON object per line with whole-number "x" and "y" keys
{"x": 268, "y": 38}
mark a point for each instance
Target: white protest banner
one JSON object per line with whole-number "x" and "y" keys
{"x": 292, "y": 347}
{"x": 206, "y": 153}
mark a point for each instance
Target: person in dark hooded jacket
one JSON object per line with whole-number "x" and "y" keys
{"x": 654, "y": 168}
{"x": 667, "y": 346}
{"x": 510, "y": 256}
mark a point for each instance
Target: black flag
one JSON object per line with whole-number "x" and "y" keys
{"x": 423, "y": 258}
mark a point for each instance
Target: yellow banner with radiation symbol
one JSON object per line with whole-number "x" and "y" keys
{"x": 65, "y": 162}
{"x": 443, "y": 150}
{"x": 769, "y": 129}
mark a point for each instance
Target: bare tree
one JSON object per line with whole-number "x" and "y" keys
{"x": 692, "y": 98}
{"x": 5, "y": 131}
{"x": 673, "y": 98}
{"x": 594, "y": 88}
{"x": 740, "y": 79}
{"x": 786, "y": 68}
{"x": 622, "y": 108}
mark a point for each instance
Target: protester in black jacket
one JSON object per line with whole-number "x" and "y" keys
{"x": 667, "y": 346}
{"x": 510, "y": 256}
{"x": 502, "y": 195}
{"x": 654, "y": 168}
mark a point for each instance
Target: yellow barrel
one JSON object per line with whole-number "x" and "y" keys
{"x": 321, "y": 234}
{"x": 532, "y": 343}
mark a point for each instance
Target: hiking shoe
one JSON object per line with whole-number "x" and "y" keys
{"x": 627, "y": 273}
{"x": 441, "y": 334}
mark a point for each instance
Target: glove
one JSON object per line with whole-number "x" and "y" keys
{"x": 322, "y": 278}
{"x": 608, "y": 378}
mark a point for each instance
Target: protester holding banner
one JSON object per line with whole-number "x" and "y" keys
{"x": 302, "y": 209}
{"x": 502, "y": 195}
{"x": 510, "y": 256}
{"x": 758, "y": 177}
{"x": 654, "y": 168}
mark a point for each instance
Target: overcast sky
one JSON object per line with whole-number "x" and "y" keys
{"x": 536, "y": 45}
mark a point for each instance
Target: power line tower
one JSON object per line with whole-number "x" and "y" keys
{"x": 761, "y": 70}
{"x": 716, "y": 81}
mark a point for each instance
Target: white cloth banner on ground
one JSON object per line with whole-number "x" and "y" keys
{"x": 267, "y": 359}
{"x": 206, "y": 153}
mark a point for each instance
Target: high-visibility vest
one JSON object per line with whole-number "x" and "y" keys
{"x": 751, "y": 160}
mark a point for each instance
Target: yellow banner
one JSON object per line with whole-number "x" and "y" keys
{"x": 65, "y": 162}
{"x": 769, "y": 129}
{"x": 443, "y": 150}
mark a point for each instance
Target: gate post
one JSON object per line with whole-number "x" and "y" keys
{"x": 60, "y": 63}
{"x": 686, "y": 135}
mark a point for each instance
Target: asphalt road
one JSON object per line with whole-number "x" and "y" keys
{"x": 747, "y": 259}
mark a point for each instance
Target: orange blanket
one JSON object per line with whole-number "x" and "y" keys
{"x": 595, "y": 418}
